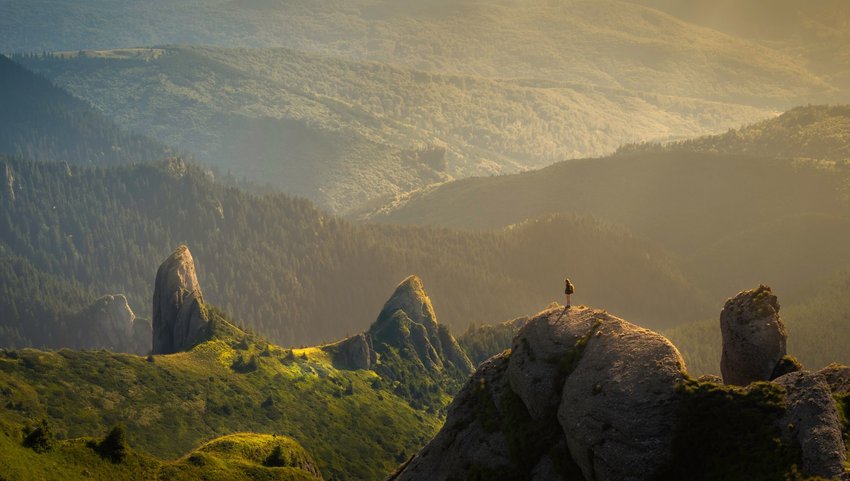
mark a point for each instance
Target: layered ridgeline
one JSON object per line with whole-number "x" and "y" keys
{"x": 43, "y": 122}
{"x": 286, "y": 269}
{"x": 586, "y": 396}
{"x": 358, "y": 407}
{"x": 816, "y": 31}
{"x": 344, "y": 133}
{"x": 604, "y": 43}
{"x": 767, "y": 202}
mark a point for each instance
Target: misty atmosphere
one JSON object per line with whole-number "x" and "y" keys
{"x": 433, "y": 240}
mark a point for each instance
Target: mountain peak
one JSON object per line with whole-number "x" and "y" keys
{"x": 410, "y": 297}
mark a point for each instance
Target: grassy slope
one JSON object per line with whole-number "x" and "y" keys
{"x": 175, "y": 402}
{"x": 343, "y": 133}
{"x": 235, "y": 457}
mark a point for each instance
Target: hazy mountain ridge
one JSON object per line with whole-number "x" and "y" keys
{"x": 43, "y": 122}
{"x": 345, "y": 133}
{"x": 759, "y": 217}
{"x": 604, "y": 43}
{"x": 296, "y": 274}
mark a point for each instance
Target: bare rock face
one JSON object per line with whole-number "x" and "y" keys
{"x": 179, "y": 319}
{"x": 812, "y": 421}
{"x": 352, "y": 353}
{"x": 838, "y": 378}
{"x": 753, "y": 337}
{"x": 468, "y": 444}
{"x": 618, "y": 407}
{"x": 598, "y": 402}
{"x": 539, "y": 353}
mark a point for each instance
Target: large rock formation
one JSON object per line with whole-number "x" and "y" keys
{"x": 618, "y": 406}
{"x": 109, "y": 323}
{"x": 753, "y": 337}
{"x": 179, "y": 317}
{"x": 408, "y": 318}
{"x": 811, "y": 421}
{"x": 591, "y": 397}
{"x": 587, "y": 397}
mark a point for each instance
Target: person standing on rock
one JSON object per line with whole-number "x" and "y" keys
{"x": 569, "y": 289}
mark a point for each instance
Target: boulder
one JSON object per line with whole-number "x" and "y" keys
{"x": 753, "y": 337}
{"x": 352, "y": 353}
{"x": 108, "y": 323}
{"x": 179, "y": 317}
{"x": 811, "y": 420}
{"x": 541, "y": 352}
{"x": 619, "y": 404}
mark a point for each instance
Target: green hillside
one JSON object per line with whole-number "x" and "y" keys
{"x": 235, "y": 457}
{"x": 41, "y": 121}
{"x": 350, "y": 421}
{"x": 344, "y": 133}
{"x": 288, "y": 270}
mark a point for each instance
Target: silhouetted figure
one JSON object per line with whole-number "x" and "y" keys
{"x": 569, "y": 289}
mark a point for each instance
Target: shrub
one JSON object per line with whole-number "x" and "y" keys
{"x": 39, "y": 439}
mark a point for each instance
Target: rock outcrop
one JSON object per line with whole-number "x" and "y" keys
{"x": 353, "y": 353}
{"x": 591, "y": 397}
{"x": 588, "y": 396}
{"x": 618, "y": 406}
{"x": 753, "y": 337}
{"x": 179, "y": 317}
{"x": 109, "y": 323}
{"x": 811, "y": 421}
{"x": 838, "y": 378}
{"x": 408, "y": 319}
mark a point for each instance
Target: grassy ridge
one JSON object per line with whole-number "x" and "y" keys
{"x": 223, "y": 459}
{"x": 170, "y": 404}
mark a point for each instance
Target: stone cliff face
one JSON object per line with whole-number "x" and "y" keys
{"x": 179, "y": 318}
{"x": 592, "y": 397}
{"x": 753, "y": 337}
{"x": 584, "y": 397}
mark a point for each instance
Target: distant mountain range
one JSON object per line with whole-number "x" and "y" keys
{"x": 766, "y": 203}
{"x": 346, "y": 134}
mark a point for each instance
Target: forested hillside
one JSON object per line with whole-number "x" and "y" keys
{"x": 766, "y": 203}
{"x": 298, "y": 275}
{"x": 43, "y": 122}
{"x": 819, "y": 133}
{"x": 344, "y": 133}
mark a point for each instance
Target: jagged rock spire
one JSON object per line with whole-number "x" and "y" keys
{"x": 179, "y": 318}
